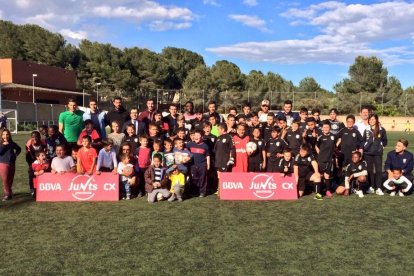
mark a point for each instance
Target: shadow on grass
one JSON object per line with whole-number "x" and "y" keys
{"x": 19, "y": 200}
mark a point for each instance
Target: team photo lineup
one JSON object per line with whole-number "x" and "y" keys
{"x": 180, "y": 154}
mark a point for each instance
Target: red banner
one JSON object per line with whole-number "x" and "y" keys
{"x": 77, "y": 187}
{"x": 257, "y": 186}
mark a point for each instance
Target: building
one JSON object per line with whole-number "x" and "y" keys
{"x": 27, "y": 82}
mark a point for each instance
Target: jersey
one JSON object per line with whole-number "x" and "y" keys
{"x": 284, "y": 164}
{"x": 294, "y": 140}
{"x": 326, "y": 145}
{"x": 355, "y": 168}
{"x": 275, "y": 146}
{"x": 225, "y": 146}
{"x": 304, "y": 165}
{"x": 336, "y": 126}
{"x": 311, "y": 139}
{"x": 240, "y": 164}
{"x": 257, "y": 155}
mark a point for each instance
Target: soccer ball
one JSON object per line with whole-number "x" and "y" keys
{"x": 160, "y": 197}
{"x": 251, "y": 147}
{"x": 128, "y": 171}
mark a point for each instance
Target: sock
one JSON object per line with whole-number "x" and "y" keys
{"x": 317, "y": 187}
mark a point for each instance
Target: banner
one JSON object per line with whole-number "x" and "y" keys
{"x": 257, "y": 186}
{"x": 77, "y": 187}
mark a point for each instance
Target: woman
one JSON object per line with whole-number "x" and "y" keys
{"x": 374, "y": 139}
{"x": 399, "y": 158}
{"x": 9, "y": 151}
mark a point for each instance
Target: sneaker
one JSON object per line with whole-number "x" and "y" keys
{"x": 180, "y": 199}
{"x": 172, "y": 198}
{"x": 202, "y": 195}
{"x": 140, "y": 195}
{"x": 128, "y": 197}
{"x": 318, "y": 196}
{"x": 400, "y": 193}
{"x": 370, "y": 190}
{"x": 328, "y": 194}
{"x": 359, "y": 193}
{"x": 6, "y": 198}
{"x": 379, "y": 192}
{"x": 392, "y": 193}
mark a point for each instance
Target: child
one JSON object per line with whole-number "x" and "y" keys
{"x": 107, "y": 161}
{"x": 182, "y": 156}
{"x": 303, "y": 114}
{"x": 9, "y": 151}
{"x": 310, "y": 135}
{"x": 305, "y": 170}
{"x": 90, "y": 131}
{"x": 325, "y": 147}
{"x": 156, "y": 180}
{"x": 161, "y": 125}
{"x": 35, "y": 145}
{"x": 398, "y": 183}
{"x": 116, "y": 135}
{"x": 349, "y": 140}
{"x": 224, "y": 161}
{"x": 268, "y": 126}
{"x": 285, "y": 165}
{"x": 213, "y": 121}
{"x": 294, "y": 138}
{"x": 153, "y": 135}
{"x": 86, "y": 156}
{"x": 74, "y": 153}
{"x": 201, "y": 163}
{"x": 131, "y": 137}
{"x": 275, "y": 147}
{"x": 198, "y": 121}
{"x": 143, "y": 155}
{"x": 177, "y": 179}
{"x": 240, "y": 142}
{"x": 39, "y": 167}
{"x": 157, "y": 149}
{"x": 231, "y": 124}
{"x": 168, "y": 153}
{"x": 62, "y": 163}
{"x": 126, "y": 180}
{"x": 54, "y": 138}
{"x": 356, "y": 174}
{"x": 257, "y": 159}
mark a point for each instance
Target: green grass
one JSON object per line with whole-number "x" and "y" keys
{"x": 343, "y": 236}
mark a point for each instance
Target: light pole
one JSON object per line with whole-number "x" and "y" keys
{"x": 97, "y": 92}
{"x": 33, "y": 78}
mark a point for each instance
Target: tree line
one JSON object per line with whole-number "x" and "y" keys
{"x": 136, "y": 73}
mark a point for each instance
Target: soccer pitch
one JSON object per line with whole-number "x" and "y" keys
{"x": 342, "y": 236}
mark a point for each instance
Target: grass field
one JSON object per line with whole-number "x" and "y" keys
{"x": 341, "y": 236}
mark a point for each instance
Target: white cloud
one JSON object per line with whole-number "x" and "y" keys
{"x": 211, "y": 2}
{"x": 251, "y": 21}
{"x": 345, "y": 31}
{"x": 250, "y": 2}
{"x": 23, "y": 3}
{"x": 160, "y": 25}
{"x": 79, "y": 35}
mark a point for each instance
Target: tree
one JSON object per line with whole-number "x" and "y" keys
{"x": 226, "y": 76}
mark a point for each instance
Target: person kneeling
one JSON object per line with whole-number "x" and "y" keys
{"x": 156, "y": 180}
{"x": 398, "y": 183}
{"x": 356, "y": 175}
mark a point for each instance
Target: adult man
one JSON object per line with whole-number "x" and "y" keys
{"x": 363, "y": 123}
{"x": 71, "y": 122}
{"x": 212, "y": 110}
{"x": 264, "y": 110}
{"x": 97, "y": 117}
{"x": 147, "y": 115}
{"x": 119, "y": 113}
{"x": 140, "y": 127}
{"x": 171, "y": 119}
{"x": 287, "y": 113}
{"x": 189, "y": 114}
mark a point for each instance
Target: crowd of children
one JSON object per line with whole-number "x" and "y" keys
{"x": 181, "y": 156}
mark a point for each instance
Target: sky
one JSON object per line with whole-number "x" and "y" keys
{"x": 295, "y": 39}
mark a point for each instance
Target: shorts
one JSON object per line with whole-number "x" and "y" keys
{"x": 224, "y": 169}
{"x": 325, "y": 168}
{"x": 302, "y": 181}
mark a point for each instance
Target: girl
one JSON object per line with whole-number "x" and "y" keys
{"x": 116, "y": 135}
{"x": 9, "y": 151}
{"x": 374, "y": 139}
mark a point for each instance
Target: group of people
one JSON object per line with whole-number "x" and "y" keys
{"x": 179, "y": 155}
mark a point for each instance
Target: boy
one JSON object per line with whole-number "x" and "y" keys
{"x": 62, "y": 163}
{"x": 398, "y": 183}
{"x": 227, "y": 152}
{"x": 200, "y": 165}
{"x": 35, "y": 145}
{"x": 107, "y": 161}
{"x": 39, "y": 167}
{"x": 213, "y": 121}
{"x": 198, "y": 121}
{"x": 157, "y": 149}
{"x": 336, "y": 125}
{"x": 303, "y": 114}
{"x": 126, "y": 180}
{"x": 274, "y": 150}
{"x": 310, "y": 135}
{"x": 349, "y": 140}
{"x": 86, "y": 156}
{"x": 257, "y": 159}
{"x": 182, "y": 156}
{"x": 294, "y": 138}
{"x": 143, "y": 155}
{"x": 177, "y": 179}
{"x": 268, "y": 126}
{"x": 325, "y": 146}
{"x": 168, "y": 153}
{"x": 96, "y": 139}
{"x": 305, "y": 170}
{"x": 131, "y": 137}
{"x": 156, "y": 180}
{"x": 153, "y": 135}
{"x": 54, "y": 138}
{"x": 356, "y": 174}
{"x": 285, "y": 165}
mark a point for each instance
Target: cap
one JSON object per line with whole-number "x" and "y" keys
{"x": 265, "y": 102}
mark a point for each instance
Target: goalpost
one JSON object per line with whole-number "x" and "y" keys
{"x": 11, "y": 115}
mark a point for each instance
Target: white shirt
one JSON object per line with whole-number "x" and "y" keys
{"x": 106, "y": 159}
{"x": 361, "y": 126}
{"x": 63, "y": 164}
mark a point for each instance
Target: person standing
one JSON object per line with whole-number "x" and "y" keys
{"x": 97, "y": 117}
{"x": 118, "y": 113}
{"x": 9, "y": 151}
{"x": 287, "y": 113}
{"x": 71, "y": 123}
{"x": 363, "y": 124}
{"x": 140, "y": 127}
{"x": 147, "y": 115}
{"x": 264, "y": 110}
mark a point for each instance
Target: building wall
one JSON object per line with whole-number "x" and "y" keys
{"x": 6, "y": 71}
{"x": 24, "y": 95}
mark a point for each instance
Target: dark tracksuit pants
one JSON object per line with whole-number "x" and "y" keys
{"x": 199, "y": 178}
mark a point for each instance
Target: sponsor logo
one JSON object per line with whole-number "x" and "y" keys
{"x": 232, "y": 185}
{"x": 263, "y": 186}
{"x": 83, "y": 187}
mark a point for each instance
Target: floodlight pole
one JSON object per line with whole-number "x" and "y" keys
{"x": 97, "y": 92}
{"x": 33, "y": 86}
